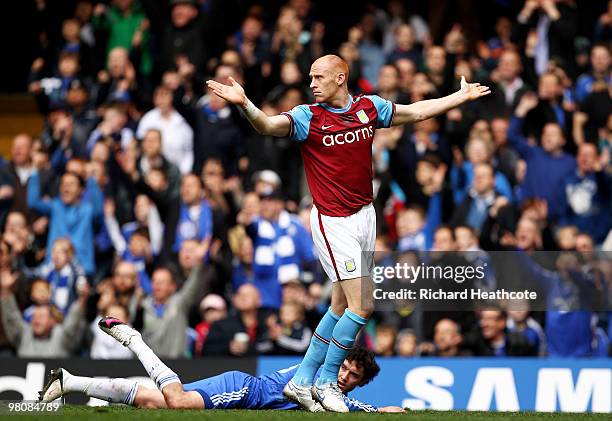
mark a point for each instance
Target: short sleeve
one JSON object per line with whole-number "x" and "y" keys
{"x": 357, "y": 406}
{"x": 385, "y": 110}
{"x": 299, "y": 117}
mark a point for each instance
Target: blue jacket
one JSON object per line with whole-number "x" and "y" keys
{"x": 587, "y": 203}
{"x": 423, "y": 240}
{"x": 545, "y": 173}
{"x": 568, "y": 321}
{"x": 461, "y": 181}
{"x": 72, "y": 221}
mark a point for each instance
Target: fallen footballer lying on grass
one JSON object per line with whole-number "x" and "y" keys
{"x": 230, "y": 390}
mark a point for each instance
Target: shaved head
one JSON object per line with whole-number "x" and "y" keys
{"x": 332, "y": 63}
{"x": 329, "y": 80}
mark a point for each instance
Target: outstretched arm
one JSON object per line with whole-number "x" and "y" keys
{"x": 391, "y": 409}
{"x": 277, "y": 125}
{"x": 423, "y": 110}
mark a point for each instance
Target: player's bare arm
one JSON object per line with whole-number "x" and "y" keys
{"x": 277, "y": 125}
{"x": 423, "y": 110}
{"x": 391, "y": 409}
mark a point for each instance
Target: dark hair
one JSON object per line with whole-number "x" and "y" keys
{"x": 142, "y": 232}
{"x": 467, "y": 227}
{"x": 197, "y": 177}
{"x": 170, "y": 270}
{"x": 80, "y": 179}
{"x": 494, "y": 307}
{"x": 447, "y": 227}
{"x": 431, "y": 158}
{"x": 68, "y": 55}
{"x": 365, "y": 359}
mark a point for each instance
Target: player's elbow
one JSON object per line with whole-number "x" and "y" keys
{"x": 261, "y": 129}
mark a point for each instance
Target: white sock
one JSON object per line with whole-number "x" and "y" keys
{"x": 157, "y": 370}
{"x": 110, "y": 390}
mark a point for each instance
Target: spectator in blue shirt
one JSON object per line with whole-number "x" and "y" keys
{"x": 600, "y": 70}
{"x": 64, "y": 275}
{"x": 587, "y": 197}
{"x": 195, "y": 215}
{"x": 282, "y": 248}
{"x": 547, "y": 165}
{"x": 415, "y": 228}
{"x": 569, "y": 294}
{"x": 70, "y": 216}
{"x": 478, "y": 151}
{"x": 520, "y": 321}
{"x": 474, "y": 209}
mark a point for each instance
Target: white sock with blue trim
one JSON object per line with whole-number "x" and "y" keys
{"x": 156, "y": 369}
{"x": 110, "y": 390}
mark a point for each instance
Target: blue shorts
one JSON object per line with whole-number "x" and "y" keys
{"x": 231, "y": 389}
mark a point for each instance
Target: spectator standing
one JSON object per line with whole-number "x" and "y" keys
{"x": 588, "y": 195}
{"x": 43, "y": 336}
{"x": 212, "y": 309}
{"x": 166, "y": 311}
{"x": 69, "y": 216}
{"x": 195, "y": 215}
{"x": 64, "y": 275}
{"x": 547, "y": 165}
{"x": 18, "y": 172}
{"x": 176, "y": 134}
{"x": 127, "y": 27}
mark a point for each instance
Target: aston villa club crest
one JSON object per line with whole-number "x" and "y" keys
{"x": 363, "y": 117}
{"x": 350, "y": 264}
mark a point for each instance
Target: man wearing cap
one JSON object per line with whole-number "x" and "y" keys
{"x": 84, "y": 117}
{"x": 212, "y": 309}
{"x": 243, "y": 331}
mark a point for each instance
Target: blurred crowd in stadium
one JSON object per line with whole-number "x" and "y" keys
{"x": 140, "y": 174}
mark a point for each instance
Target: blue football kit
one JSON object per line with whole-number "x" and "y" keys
{"x": 238, "y": 390}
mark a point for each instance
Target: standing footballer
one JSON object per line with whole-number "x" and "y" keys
{"x": 335, "y": 136}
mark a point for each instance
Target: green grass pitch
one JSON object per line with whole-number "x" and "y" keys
{"x": 120, "y": 413}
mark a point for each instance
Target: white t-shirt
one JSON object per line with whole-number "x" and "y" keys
{"x": 177, "y": 137}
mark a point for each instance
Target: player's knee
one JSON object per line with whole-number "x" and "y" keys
{"x": 365, "y": 310}
{"x": 338, "y": 308}
{"x": 176, "y": 400}
{"x": 150, "y": 404}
